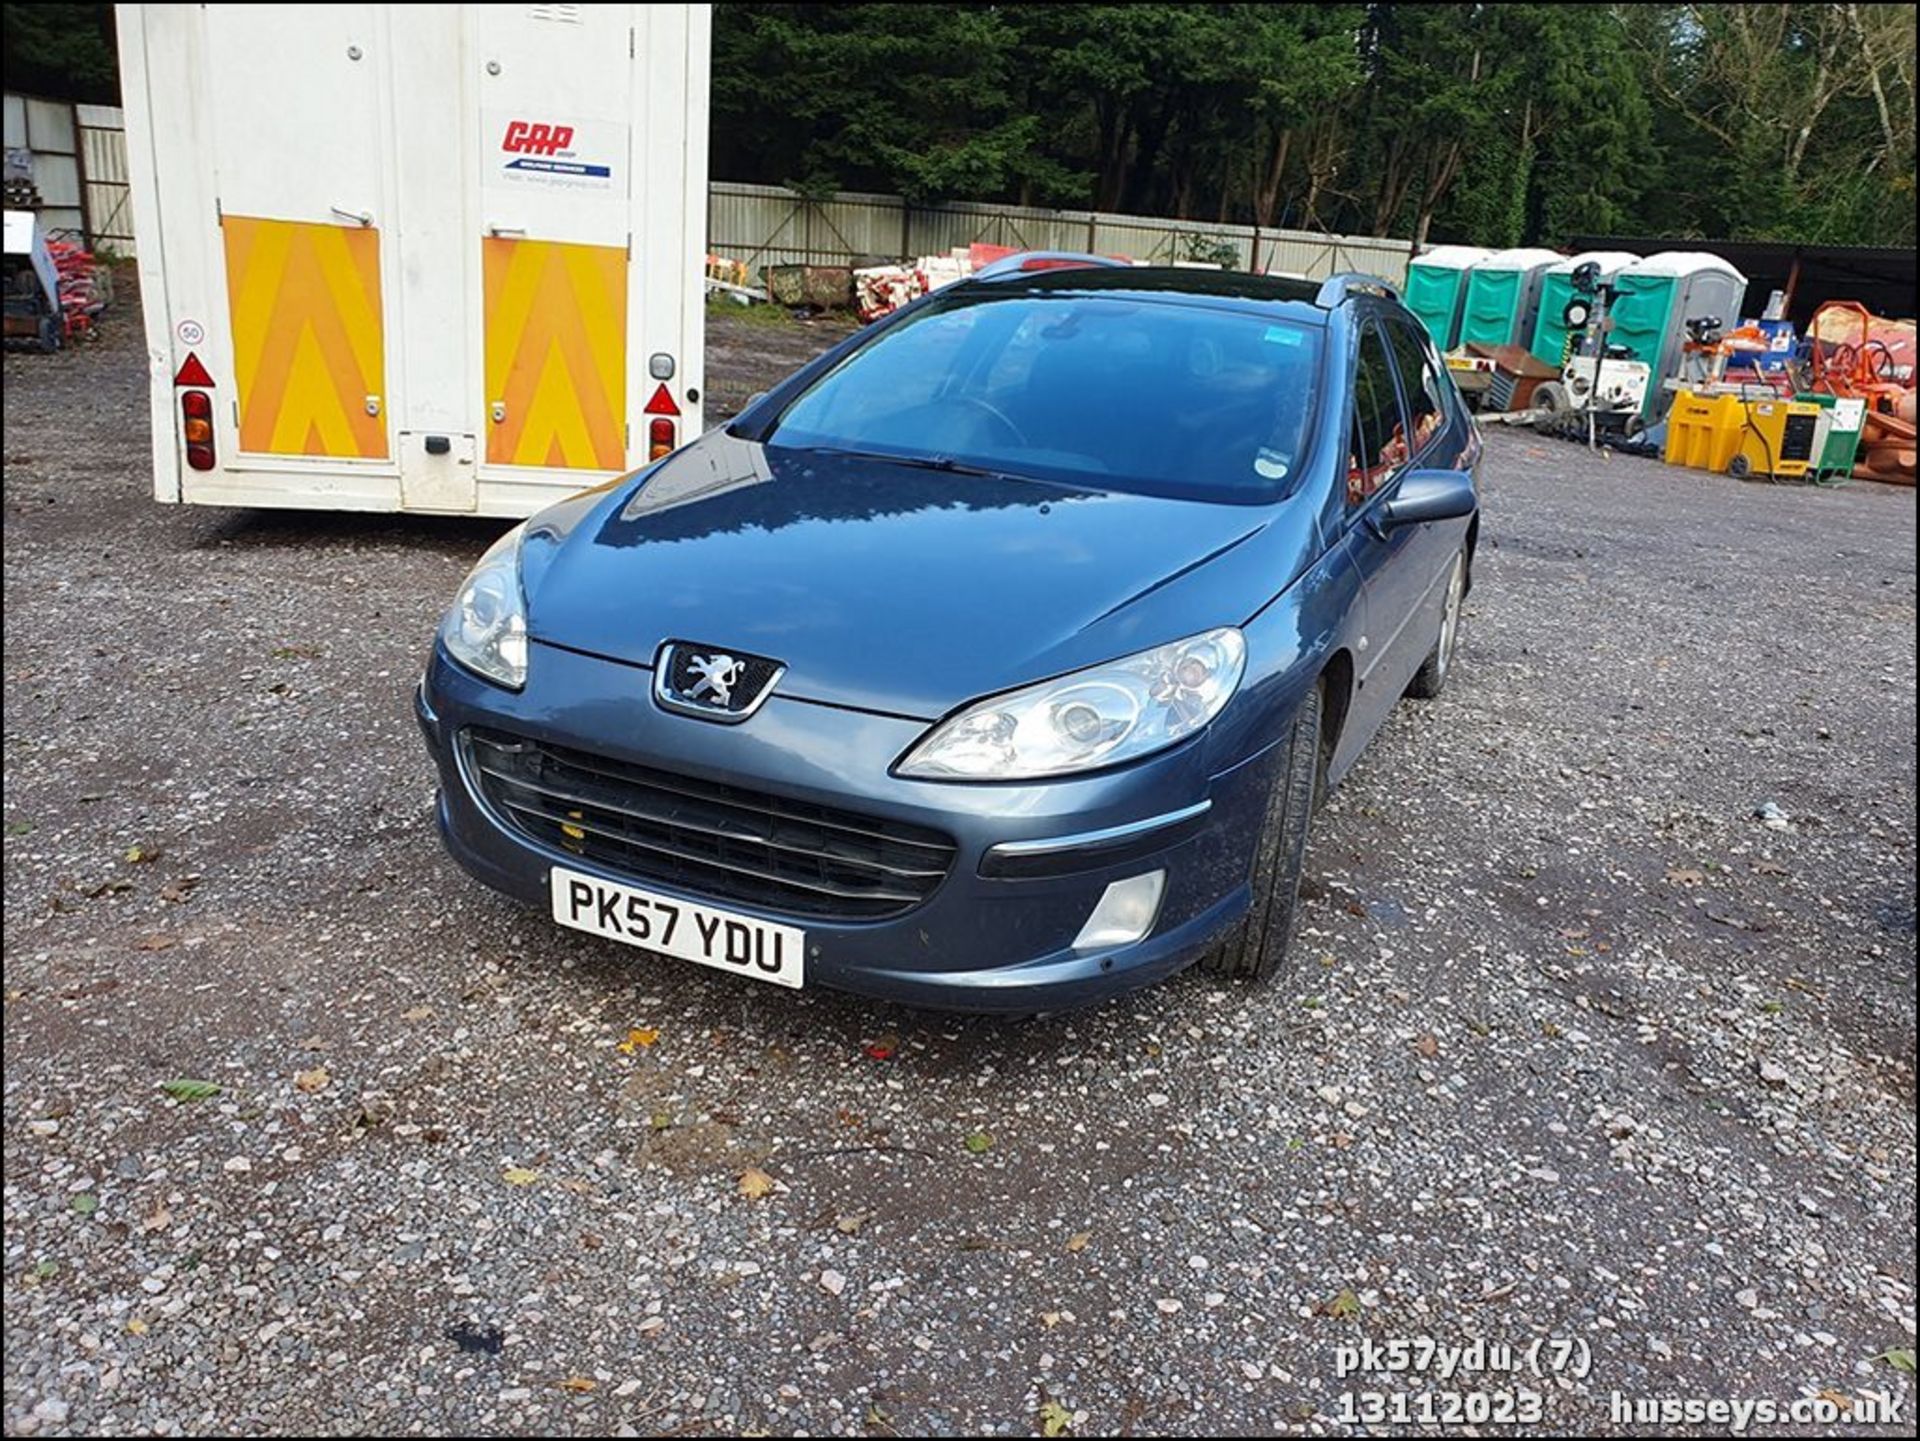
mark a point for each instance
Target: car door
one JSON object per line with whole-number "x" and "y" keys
{"x": 1388, "y": 561}
{"x": 1439, "y": 437}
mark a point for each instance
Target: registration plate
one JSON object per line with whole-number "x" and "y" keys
{"x": 704, "y": 935}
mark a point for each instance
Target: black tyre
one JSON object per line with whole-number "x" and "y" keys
{"x": 1257, "y": 949}
{"x": 1740, "y": 467}
{"x": 1431, "y": 678}
{"x": 1551, "y": 397}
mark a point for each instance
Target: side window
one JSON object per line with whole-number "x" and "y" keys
{"x": 1423, "y": 389}
{"x": 1377, "y": 445}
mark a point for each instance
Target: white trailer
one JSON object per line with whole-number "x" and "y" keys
{"x": 441, "y": 258}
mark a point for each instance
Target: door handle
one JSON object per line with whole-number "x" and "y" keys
{"x": 358, "y": 217}
{"x": 506, "y": 230}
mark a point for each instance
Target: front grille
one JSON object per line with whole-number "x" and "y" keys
{"x": 726, "y": 842}
{"x": 1796, "y": 438}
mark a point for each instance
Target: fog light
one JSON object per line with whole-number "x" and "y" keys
{"x": 1125, "y": 912}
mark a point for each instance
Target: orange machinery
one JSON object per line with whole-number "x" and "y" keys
{"x": 1853, "y": 353}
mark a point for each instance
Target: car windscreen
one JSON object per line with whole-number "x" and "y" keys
{"x": 1116, "y": 392}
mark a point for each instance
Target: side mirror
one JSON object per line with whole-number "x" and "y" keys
{"x": 754, "y": 399}
{"x": 1424, "y": 495}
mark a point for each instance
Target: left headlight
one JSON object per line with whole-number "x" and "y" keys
{"x": 1100, "y": 716}
{"x": 486, "y": 627}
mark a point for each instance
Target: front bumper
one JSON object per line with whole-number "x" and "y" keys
{"x": 1032, "y": 860}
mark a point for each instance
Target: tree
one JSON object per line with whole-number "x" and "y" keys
{"x": 1490, "y": 124}
{"x": 64, "y": 52}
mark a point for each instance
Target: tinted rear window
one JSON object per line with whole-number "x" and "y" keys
{"x": 1112, "y": 391}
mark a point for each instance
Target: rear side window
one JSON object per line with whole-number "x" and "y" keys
{"x": 1423, "y": 388}
{"x": 1117, "y": 391}
{"x": 1376, "y": 447}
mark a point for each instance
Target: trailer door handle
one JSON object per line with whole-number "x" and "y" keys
{"x": 358, "y": 217}
{"x": 506, "y": 230}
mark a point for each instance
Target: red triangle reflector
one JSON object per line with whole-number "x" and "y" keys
{"x": 662, "y": 403}
{"x": 192, "y": 372}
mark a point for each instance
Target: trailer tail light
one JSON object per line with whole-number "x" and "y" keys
{"x": 660, "y": 437}
{"x": 196, "y": 426}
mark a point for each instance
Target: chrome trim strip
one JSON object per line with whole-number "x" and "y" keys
{"x": 1051, "y": 845}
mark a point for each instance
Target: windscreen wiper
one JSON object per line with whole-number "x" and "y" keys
{"x": 944, "y": 463}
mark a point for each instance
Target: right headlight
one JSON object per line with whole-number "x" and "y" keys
{"x": 486, "y": 627}
{"x": 1100, "y": 716}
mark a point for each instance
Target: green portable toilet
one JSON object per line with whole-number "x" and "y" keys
{"x": 1654, "y": 298}
{"x": 1503, "y": 296}
{"x": 1436, "y": 289}
{"x": 1550, "y": 340}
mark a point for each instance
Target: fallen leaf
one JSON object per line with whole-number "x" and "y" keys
{"x": 579, "y": 1385}
{"x": 191, "y": 1090}
{"x": 141, "y": 855}
{"x": 418, "y": 1013}
{"x": 1049, "y": 1319}
{"x": 1900, "y": 1358}
{"x": 156, "y": 943}
{"x": 1428, "y": 1046}
{"x": 850, "y": 1225}
{"x": 1055, "y": 1419}
{"x": 137, "y": 1327}
{"x": 638, "y": 1038}
{"x": 158, "y": 1221}
{"x": 755, "y": 1183}
{"x": 1078, "y": 1240}
{"x": 1343, "y": 1307}
{"x": 179, "y": 890}
{"x": 1840, "y": 1401}
{"x": 311, "y": 1081}
{"x": 978, "y": 1141}
{"x": 882, "y": 1048}
{"x": 85, "y": 1204}
{"x": 1686, "y": 876}
{"x": 877, "y": 1417}
{"x": 519, "y": 1176}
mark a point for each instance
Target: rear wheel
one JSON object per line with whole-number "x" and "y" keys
{"x": 1257, "y": 948}
{"x": 1551, "y": 397}
{"x": 1431, "y": 678}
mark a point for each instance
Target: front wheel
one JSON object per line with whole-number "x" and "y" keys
{"x": 1431, "y": 678}
{"x": 1258, "y": 946}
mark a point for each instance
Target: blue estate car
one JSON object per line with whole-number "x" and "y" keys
{"x": 995, "y": 660}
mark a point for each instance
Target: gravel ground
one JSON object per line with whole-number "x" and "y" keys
{"x": 1580, "y": 1047}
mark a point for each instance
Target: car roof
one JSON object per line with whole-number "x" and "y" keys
{"x": 1269, "y": 295}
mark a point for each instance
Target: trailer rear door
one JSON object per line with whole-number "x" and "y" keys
{"x": 302, "y": 242}
{"x": 555, "y": 94}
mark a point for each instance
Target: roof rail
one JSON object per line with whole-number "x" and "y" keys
{"x": 1026, "y": 262}
{"x": 1336, "y": 288}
